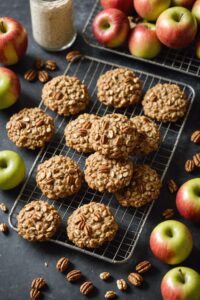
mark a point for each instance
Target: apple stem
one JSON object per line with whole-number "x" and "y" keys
{"x": 182, "y": 276}
{"x": 181, "y": 17}
{"x": 2, "y": 28}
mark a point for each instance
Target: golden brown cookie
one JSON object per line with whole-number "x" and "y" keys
{"x": 65, "y": 95}
{"x": 114, "y": 136}
{"x": 107, "y": 175}
{"x": 91, "y": 225}
{"x": 59, "y": 177}
{"x": 165, "y": 103}
{"x": 30, "y": 128}
{"x": 38, "y": 221}
{"x": 119, "y": 87}
{"x": 144, "y": 187}
{"x": 77, "y": 133}
{"x": 149, "y": 135}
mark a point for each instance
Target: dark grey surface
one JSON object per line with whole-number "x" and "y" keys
{"x": 21, "y": 261}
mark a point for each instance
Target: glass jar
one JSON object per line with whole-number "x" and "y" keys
{"x": 53, "y": 23}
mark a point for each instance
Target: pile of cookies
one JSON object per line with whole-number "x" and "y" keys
{"x": 114, "y": 137}
{"x": 110, "y": 139}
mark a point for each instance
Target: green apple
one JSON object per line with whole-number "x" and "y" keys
{"x": 196, "y": 11}
{"x": 9, "y": 88}
{"x": 181, "y": 283}
{"x": 12, "y": 169}
{"x": 150, "y": 9}
{"x": 171, "y": 242}
{"x": 143, "y": 41}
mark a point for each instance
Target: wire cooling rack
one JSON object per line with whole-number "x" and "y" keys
{"x": 131, "y": 221}
{"x": 180, "y": 60}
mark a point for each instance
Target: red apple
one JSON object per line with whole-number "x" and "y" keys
{"x": 125, "y": 5}
{"x": 196, "y": 11}
{"x": 176, "y": 27}
{"x": 171, "y": 242}
{"x": 181, "y": 283}
{"x": 9, "y": 88}
{"x": 13, "y": 41}
{"x": 111, "y": 27}
{"x": 150, "y": 9}
{"x": 143, "y": 41}
{"x": 184, "y": 3}
{"x": 188, "y": 200}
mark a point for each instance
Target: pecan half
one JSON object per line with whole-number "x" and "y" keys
{"x": 3, "y": 228}
{"x": 38, "y": 283}
{"x": 43, "y": 76}
{"x": 86, "y": 288}
{"x": 3, "y": 207}
{"x": 135, "y": 279}
{"x": 30, "y": 75}
{"x": 121, "y": 284}
{"x": 34, "y": 294}
{"x": 104, "y": 275}
{"x": 189, "y": 165}
{"x": 143, "y": 266}
{"x": 195, "y": 137}
{"x": 39, "y": 63}
{"x": 51, "y": 65}
{"x": 172, "y": 186}
{"x": 168, "y": 213}
{"x": 62, "y": 264}
{"x": 110, "y": 295}
{"x": 73, "y": 56}
{"x": 73, "y": 275}
{"x": 196, "y": 160}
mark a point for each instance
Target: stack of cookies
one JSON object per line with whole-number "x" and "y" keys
{"x": 110, "y": 139}
{"x": 114, "y": 137}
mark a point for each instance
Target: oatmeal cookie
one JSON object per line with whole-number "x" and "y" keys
{"x": 59, "y": 177}
{"x": 114, "y": 136}
{"x": 144, "y": 187}
{"x": 30, "y": 128}
{"x": 66, "y": 95}
{"x": 107, "y": 175}
{"x": 38, "y": 221}
{"x": 91, "y": 225}
{"x": 165, "y": 103}
{"x": 119, "y": 87}
{"x": 77, "y": 133}
{"x": 149, "y": 135}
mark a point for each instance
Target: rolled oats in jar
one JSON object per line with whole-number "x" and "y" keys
{"x": 53, "y": 23}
